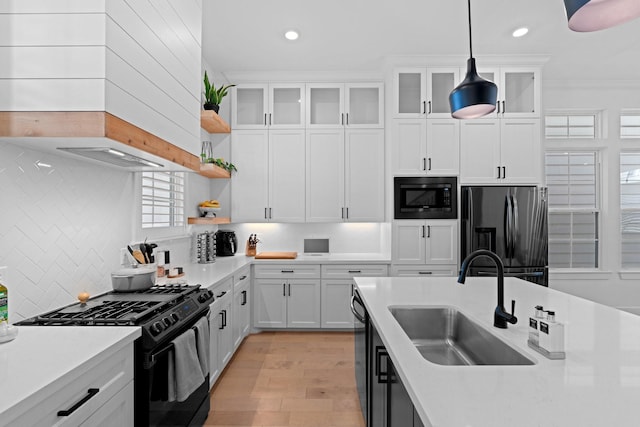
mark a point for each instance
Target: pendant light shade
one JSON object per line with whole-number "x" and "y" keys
{"x": 594, "y": 15}
{"x": 474, "y": 97}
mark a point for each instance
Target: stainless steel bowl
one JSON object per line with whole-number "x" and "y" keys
{"x": 134, "y": 279}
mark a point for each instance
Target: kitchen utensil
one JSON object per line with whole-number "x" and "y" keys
{"x": 277, "y": 255}
{"x": 133, "y": 279}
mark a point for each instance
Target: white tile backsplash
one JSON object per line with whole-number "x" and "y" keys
{"x": 61, "y": 228}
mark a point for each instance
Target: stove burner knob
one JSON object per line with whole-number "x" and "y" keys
{"x": 156, "y": 328}
{"x": 166, "y": 322}
{"x": 175, "y": 317}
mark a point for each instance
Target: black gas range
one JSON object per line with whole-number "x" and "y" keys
{"x": 163, "y": 313}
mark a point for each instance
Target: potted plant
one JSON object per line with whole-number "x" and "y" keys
{"x": 212, "y": 96}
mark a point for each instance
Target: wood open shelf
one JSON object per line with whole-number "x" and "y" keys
{"x": 208, "y": 221}
{"x": 210, "y": 170}
{"x": 213, "y": 123}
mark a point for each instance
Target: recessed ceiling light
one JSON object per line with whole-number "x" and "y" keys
{"x": 520, "y": 32}
{"x": 291, "y": 35}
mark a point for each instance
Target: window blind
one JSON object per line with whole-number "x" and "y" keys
{"x": 162, "y": 199}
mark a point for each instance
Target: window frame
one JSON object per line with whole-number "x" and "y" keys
{"x": 598, "y": 209}
{"x": 141, "y": 233}
{"x": 600, "y": 120}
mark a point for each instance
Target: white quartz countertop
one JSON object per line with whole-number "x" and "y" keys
{"x": 209, "y": 274}
{"x": 598, "y": 384}
{"x": 40, "y": 355}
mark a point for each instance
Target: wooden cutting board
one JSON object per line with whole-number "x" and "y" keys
{"x": 277, "y": 255}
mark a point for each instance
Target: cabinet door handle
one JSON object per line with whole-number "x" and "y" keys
{"x": 242, "y": 277}
{"x": 429, "y": 108}
{"x": 284, "y": 289}
{"x": 424, "y": 163}
{"x": 342, "y": 119}
{"x": 342, "y": 213}
{"x": 498, "y": 106}
{"x": 504, "y": 108}
{"x": 347, "y": 115}
{"x": 425, "y": 272}
{"x": 265, "y": 119}
{"x": 224, "y": 319}
{"x": 244, "y": 298}
{"x": 269, "y": 119}
{"x": 424, "y": 107}
{"x": 504, "y": 172}
{"x": 347, "y": 211}
{"x": 221, "y": 320}
{"x": 429, "y": 163}
{"x": 270, "y": 216}
{"x": 423, "y": 231}
{"x": 90, "y": 393}
{"x": 498, "y": 172}
{"x": 265, "y": 213}
{"x": 383, "y": 377}
{"x": 289, "y": 289}
{"x": 428, "y": 231}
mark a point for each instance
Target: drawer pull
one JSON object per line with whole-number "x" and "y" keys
{"x": 355, "y": 271}
{"x": 90, "y": 393}
{"x": 242, "y": 277}
{"x": 286, "y": 271}
{"x": 425, "y": 272}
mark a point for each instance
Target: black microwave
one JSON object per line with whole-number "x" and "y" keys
{"x": 425, "y": 197}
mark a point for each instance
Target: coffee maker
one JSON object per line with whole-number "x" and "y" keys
{"x": 226, "y": 243}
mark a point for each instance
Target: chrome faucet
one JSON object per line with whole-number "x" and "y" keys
{"x": 500, "y": 316}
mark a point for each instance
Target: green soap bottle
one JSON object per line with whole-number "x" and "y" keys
{"x": 4, "y": 303}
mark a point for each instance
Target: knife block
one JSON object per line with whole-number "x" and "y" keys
{"x": 250, "y": 250}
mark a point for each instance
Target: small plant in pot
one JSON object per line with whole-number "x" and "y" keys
{"x": 212, "y": 96}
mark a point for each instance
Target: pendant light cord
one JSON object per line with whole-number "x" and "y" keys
{"x": 470, "y": 44}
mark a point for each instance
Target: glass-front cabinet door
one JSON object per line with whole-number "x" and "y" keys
{"x": 410, "y": 93}
{"x": 519, "y": 92}
{"x": 286, "y": 106}
{"x": 355, "y": 105}
{"x": 264, "y": 106}
{"x": 250, "y": 106}
{"x": 325, "y": 105}
{"x": 440, "y": 83}
{"x": 364, "y": 105}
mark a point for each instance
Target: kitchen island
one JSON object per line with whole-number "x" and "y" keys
{"x": 598, "y": 384}
{"x": 48, "y": 369}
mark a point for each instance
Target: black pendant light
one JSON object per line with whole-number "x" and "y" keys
{"x": 594, "y": 15}
{"x": 474, "y": 97}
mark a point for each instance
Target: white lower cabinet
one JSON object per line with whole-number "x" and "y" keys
{"x": 424, "y": 246}
{"x": 220, "y": 329}
{"x": 287, "y": 296}
{"x": 336, "y": 291}
{"x": 287, "y": 303}
{"x": 104, "y": 386}
{"x": 241, "y": 305}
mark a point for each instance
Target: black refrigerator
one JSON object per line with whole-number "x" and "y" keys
{"x": 510, "y": 221}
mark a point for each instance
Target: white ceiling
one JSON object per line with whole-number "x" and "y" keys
{"x": 356, "y": 35}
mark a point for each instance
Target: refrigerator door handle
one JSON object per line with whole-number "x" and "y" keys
{"x": 507, "y": 226}
{"x": 515, "y": 225}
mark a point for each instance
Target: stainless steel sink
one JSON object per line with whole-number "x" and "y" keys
{"x": 445, "y": 336}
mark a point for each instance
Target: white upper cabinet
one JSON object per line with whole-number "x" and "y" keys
{"x": 424, "y": 92}
{"x": 270, "y": 182}
{"x": 345, "y": 175}
{"x": 351, "y": 105}
{"x": 518, "y": 90}
{"x": 496, "y": 151}
{"x": 426, "y": 147}
{"x": 268, "y": 106}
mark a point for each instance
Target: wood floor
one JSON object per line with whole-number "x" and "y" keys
{"x": 289, "y": 379}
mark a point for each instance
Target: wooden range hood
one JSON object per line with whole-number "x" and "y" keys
{"x": 91, "y": 124}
